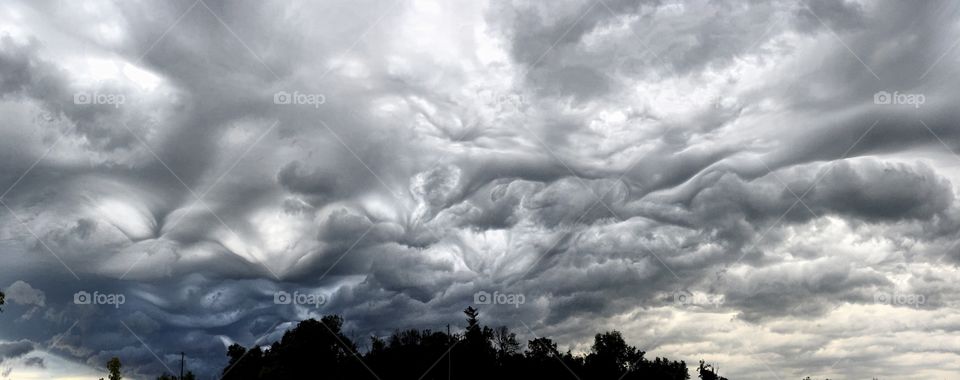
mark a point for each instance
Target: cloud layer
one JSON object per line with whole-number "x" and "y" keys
{"x": 770, "y": 186}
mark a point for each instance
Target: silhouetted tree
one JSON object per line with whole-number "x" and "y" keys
{"x": 113, "y": 368}
{"x": 473, "y": 321}
{"x": 474, "y": 357}
{"x": 243, "y": 364}
{"x": 187, "y": 376}
{"x": 543, "y": 357}
{"x": 611, "y": 356}
{"x": 505, "y": 343}
{"x": 541, "y": 348}
{"x": 319, "y": 349}
{"x": 476, "y": 338}
{"x": 2, "y": 296}
{"x": 707, "y": 373}
{"x": 310, "y": 347}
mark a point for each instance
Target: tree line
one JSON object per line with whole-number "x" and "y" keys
{"x": 320, "y": 349}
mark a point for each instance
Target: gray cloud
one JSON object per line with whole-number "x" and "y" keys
{"x": 22, "y": 293}
{"x": 34, "y": 361}
{"x": 10, "y": 350}
{"x": 596, "y": 157}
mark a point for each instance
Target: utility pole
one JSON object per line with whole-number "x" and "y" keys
{"x": 449, "y": 354}
{"x": 181, "y": 365}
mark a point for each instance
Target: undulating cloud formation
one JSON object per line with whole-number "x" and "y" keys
{"x": 767, "y": 185}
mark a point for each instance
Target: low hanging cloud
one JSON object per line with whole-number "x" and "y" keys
{"x": 12, "y": 350}
{"x": 714, "y": 179}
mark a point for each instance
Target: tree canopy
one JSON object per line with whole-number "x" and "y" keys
{"x": 114, "y": 368}
{"x": 320, "y": 349}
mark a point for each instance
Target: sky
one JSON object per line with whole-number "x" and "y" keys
{"x": 770, "y": 186}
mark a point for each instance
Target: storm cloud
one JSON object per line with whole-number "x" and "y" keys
{"x": 767, "y": 185}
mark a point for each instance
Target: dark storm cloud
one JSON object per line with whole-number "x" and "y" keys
{"x": 598, "y": 158}
{"x": 867, "y": 190}
{"x": 18, "y": 68}
{"x": 34, "y": 361}
{"x": 10, "y": 350}
{"x": 296, "y": 179}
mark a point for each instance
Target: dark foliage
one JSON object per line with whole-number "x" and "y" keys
{"x": 707, "y": 372}
{"x": 320, "y": 350}
{"x": 187, "y": 376}
{"x": 114, "y": 369}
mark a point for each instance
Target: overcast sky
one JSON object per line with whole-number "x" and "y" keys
{"x": 766, "y": 185}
